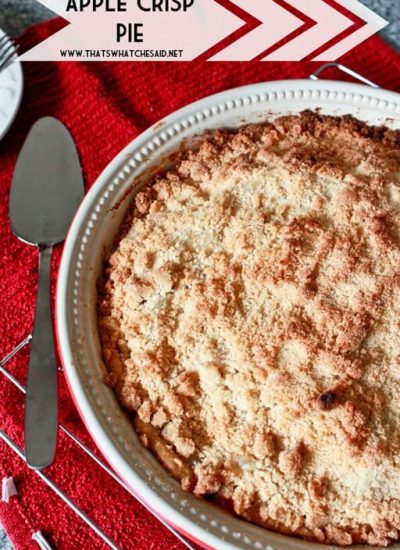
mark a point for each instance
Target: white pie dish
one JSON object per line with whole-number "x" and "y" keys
{"x": 92, "y": 234}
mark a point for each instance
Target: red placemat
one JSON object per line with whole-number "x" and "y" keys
{"x": 105, "y": 105}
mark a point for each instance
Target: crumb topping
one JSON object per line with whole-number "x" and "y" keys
{"x": 250, "y": 321}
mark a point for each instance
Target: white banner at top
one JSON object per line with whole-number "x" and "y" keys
{"x": 181, "y": 30}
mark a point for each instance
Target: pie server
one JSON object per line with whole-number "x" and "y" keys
{"x": 46, "y": 191}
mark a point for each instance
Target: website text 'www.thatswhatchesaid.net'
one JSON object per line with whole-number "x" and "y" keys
{"x": 121, "y": 54}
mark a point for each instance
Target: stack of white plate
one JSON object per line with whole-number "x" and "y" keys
{"x": 11, "y": 87}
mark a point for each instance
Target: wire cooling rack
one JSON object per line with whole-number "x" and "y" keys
{"x": 44, "y": 477}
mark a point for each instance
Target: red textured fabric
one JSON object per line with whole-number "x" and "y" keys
{"x": 105, "y": 105}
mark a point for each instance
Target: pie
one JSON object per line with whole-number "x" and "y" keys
{"x": 250, "y": 324}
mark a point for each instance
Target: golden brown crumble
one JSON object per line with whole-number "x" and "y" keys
{"x": 250, "y": 321}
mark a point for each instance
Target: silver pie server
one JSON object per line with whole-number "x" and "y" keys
{"x": 47, "y": 188}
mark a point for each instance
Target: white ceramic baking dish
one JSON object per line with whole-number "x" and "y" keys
{"x": 92, "y": 234}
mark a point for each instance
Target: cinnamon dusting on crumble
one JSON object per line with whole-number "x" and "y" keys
{"x": 249, "y": 320}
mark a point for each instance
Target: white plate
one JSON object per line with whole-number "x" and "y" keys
{"x": 93, "y": 231}
{"x": 11, "y": 88}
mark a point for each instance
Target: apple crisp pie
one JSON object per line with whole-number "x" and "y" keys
{"x": 250, "y": 323}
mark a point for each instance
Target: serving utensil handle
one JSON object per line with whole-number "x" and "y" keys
{"x": 41, "y": 414}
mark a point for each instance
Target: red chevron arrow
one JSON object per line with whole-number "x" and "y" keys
{"x": 308, "y": 24}
{"x": 276, "y": 22}
{"x": 251, "y": 23}
{"x": 373, "y": 23}
{"x": 295, "y": 30}
{"x": 329, "y": 23}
